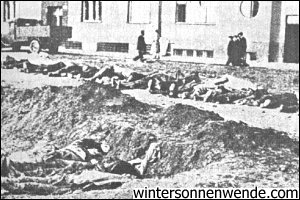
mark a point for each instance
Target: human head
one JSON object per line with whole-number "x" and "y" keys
{"x": 142, "y": 32}
{"x": 240, "y": 34}
{"x": 105, "y": 147}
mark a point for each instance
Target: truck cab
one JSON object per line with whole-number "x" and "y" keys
{"x": 17, "y": 31}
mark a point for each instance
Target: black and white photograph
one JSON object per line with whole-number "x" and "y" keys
{"x": 149, "y": 99}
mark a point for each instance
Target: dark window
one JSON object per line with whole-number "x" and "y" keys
{"x": 9, "y": 10}
{"x": 86, "y": 10}
{"x": 178, "y": 52}
{"x": 199, "y": 53}
{"x": 210, "y": 54}
{"x": 189, "y": 53}
{"x": 94, "y": 10}
{"x": 73, "y": 45}
{"x": 14, "y": 9}
{"x": 113, "y": 47}
{"x": 4, "y": 11}
{"x": 253, "y": 55}
{"x": 100, "y": 10}
{"x": 181, "y": 13}
{"x": 91, "y": 11}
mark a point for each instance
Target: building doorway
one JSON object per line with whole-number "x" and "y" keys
{"x": 54, "y": 15}
{"x": 291, "y": 45}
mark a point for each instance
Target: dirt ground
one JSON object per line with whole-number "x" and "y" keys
{"x": 258, "y": 147}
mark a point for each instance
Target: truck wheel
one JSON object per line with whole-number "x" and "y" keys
{"x": 4, "y": 43}
{"x": 35, "y": 46}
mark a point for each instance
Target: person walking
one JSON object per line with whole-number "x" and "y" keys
{"x": 141, "y": 47}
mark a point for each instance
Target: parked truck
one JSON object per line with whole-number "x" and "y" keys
{"x": 32, "y": 33}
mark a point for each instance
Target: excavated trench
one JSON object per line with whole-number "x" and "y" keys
{"x": 190, "y": 138}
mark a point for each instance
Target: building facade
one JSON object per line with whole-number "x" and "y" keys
{"x": 192, "y": 28}
{"x": 11, "y": 10}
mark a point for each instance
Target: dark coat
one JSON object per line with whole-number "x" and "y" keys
{"x": 230, "y": 48}
{"x": 141, "y": 45}
{"x": 243, "y": 45}
{"x": 235, "y": 52}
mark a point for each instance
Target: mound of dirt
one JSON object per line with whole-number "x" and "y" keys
{"x": 200, "y": 138}
{"x": 179, "y": 116}
{"x": 57, "y": 113}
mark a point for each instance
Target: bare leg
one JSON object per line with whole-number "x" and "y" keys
{"x": 207, "y": 95}
{"x": 172, "y": 89}
{"x": 221, "y": 81}
{"x": 150, "y": 84}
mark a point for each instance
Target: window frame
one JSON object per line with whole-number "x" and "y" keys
{"x": 90, "y": 9}
{"x": 177, "y": 14}
{"x": 191, "y": 23}
{"x": 9, "y": 11}
{"x": 129, "y": 14}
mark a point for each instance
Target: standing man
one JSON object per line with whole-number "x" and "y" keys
{"x": 230, "y": 51}
{"x": 141, "y": 47}
{"x": 235, "y": 51}
{"x": 243, "y": 49}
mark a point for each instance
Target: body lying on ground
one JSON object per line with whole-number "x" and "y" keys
{"x": 86, "y": 152}
{"x": 11, "y": 63}
{"x": 117, "y": 75}
{"x": 227, "y": 89}
{"x": 155, "y": 82}
{"x": 60, "y": 166}
{"x": 163, "y": 83}
{"x": 33, "y": 63}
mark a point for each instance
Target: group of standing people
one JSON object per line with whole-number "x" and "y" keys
{"x": 237, "y": 50}
{"x": 142, "y": 47}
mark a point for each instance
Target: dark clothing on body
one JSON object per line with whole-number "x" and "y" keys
{"x": 235, "y": 53}
{"x": 141, "y": 47}
{"x": 140, "y": 56}
{"x": 243, "y": 50}
{"x": 243, "y": 45}
{"x": 230, "y": 52}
